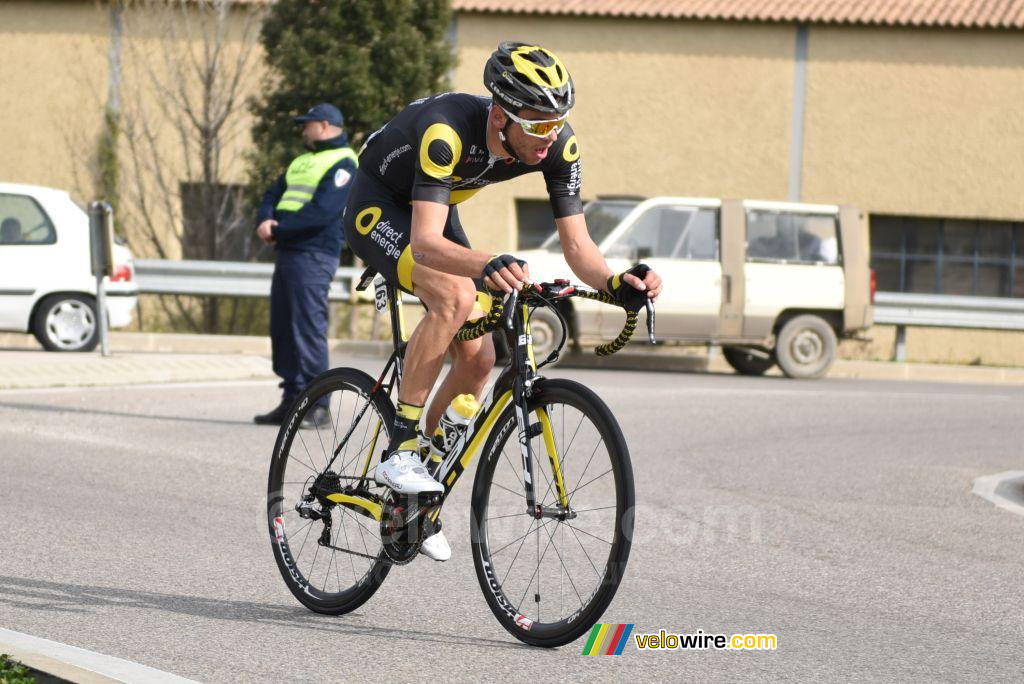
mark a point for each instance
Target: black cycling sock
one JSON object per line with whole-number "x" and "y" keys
{"x": 407, "y": 424}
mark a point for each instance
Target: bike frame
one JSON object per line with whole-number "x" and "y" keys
{"x": 513, "y": 386}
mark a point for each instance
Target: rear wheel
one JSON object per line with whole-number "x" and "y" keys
{"x": 745, "y": 362}
{"x": 806, "y": 347}
{"x": 549, "y": 580}
{"x": 329, "y": 551}
{"x": 66, "y": 322}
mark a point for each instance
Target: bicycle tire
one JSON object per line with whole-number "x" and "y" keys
{"x": 513, "y": 615}
{"x": 282, "y": 488}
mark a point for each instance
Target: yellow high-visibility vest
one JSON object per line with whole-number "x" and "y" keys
{"x": 305, "y": 173}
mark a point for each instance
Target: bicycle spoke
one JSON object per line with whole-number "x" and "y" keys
{"x": 494, "y": 553}
{"x": 513, "y": 561}
{"x": 298, "y": 433}
{"x": 584, "y": 550}
{"x": 568, "y": 576}
{"x": 589, "y": 483}
{"x": 589, "y": 510}
{"x": 510, "y": 515}
{"x": 351, "y": 558}
{"x": 591, "y": 460}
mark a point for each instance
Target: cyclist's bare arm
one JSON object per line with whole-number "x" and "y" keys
{"x": 432, "y": 249}
{"x": 584, "y": 258}
{"x": 587, "y": 262}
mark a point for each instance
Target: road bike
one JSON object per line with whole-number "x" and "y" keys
{"x": 550, "y": 536}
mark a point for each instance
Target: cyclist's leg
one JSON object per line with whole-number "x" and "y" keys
{"x": 449, "y": 300}
{"x": 472, "y": 362}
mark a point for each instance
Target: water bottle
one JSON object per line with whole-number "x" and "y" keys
{"x": 453, "y": 423}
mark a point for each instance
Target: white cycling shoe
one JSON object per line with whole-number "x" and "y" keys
{"x": 404, "y": 473}
{"x": 436, "y": 547}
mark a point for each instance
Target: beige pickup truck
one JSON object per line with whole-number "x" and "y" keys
{"x": 770, "y": 282}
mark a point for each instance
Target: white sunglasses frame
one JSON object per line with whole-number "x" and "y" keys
{"x": 523, "y": 123}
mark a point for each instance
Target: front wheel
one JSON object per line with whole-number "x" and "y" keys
{"x": 745, "y": 362}
{"x": 548, "y": 580}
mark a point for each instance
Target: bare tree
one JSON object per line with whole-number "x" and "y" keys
{"x": 189, "y": 67}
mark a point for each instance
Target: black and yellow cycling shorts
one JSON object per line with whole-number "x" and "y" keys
{"x": 378, "y": 226}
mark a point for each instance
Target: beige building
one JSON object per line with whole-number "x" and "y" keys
{"x": 911, "y": 111}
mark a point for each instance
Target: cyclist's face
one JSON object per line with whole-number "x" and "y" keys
{"x": 530, "y": 149}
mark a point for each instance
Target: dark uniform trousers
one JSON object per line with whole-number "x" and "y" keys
{"x": 298, "y": 316}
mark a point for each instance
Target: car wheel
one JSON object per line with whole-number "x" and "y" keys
{"x": 546, "y": 331}
{"x": 805, "y": 347}
{"x": 67, "y": 322}
{"x": 745, "y": 362}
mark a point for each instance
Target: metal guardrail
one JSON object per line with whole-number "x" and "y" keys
{"x": 241, "y": 279}
{"x": 945, "y": 311}
{"x": 223, "y": 278}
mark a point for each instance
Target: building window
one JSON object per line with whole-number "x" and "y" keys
{"x": 948, "y": 256}
{"x": 217, "y": 225}
{"x": 535, "y": 221}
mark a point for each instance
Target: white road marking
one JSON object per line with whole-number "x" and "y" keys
{"x": 73, "y": 662}
{"x": 1005, "y": 490}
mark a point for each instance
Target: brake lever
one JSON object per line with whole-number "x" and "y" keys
{"x": 510, "y": 305}
{"x": 649, "y": 305}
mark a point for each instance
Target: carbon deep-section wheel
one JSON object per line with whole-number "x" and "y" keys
{"x": 549, "y": 579}
{"x": 324, "y": 522}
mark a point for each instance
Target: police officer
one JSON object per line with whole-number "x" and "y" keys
{"x": 301, "y": 217}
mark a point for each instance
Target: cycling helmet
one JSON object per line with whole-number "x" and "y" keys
{"x": 521, "y": 75}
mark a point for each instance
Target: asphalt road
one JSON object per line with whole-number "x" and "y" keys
{"x": 835, "y": 514}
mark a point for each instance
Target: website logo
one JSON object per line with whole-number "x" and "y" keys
{"x": 607, "y": 639}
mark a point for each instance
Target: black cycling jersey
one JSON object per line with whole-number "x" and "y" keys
{"x": 436, "y": 150}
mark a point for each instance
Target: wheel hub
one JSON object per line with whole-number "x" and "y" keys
{"x": 70, "y": 324}
{"x": 807, "y": 346}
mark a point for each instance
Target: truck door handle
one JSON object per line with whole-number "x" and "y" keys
{"x": 727, "y": 281}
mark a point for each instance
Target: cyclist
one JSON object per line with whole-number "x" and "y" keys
{"x": 401, "y": 219}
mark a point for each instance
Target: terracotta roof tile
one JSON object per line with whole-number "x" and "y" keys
{"x": 932, "y": 13}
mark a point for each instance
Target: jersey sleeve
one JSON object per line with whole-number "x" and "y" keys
{"x": 438, "y": 149}
{"x": 563, "y": 174}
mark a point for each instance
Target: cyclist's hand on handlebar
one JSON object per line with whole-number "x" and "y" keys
{"x": 632, "y": 288}
{"x": 505, "y": 273}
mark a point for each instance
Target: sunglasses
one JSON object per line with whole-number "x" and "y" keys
{"x": 538, "y": 129}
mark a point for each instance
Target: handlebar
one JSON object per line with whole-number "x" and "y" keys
{"x": 545, "y": 294}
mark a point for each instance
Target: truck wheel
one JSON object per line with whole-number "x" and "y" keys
{"x": 66, "y": 322}
{"x": 746, "y": 363}
{"x": 805, "y": 347}
{"x": 546, "y": 331}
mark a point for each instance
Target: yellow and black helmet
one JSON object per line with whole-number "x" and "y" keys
{"x": 522, "y": 75}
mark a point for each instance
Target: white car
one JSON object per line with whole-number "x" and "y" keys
{"x": 46, "y": 286}
{"x": 771, "y": 282}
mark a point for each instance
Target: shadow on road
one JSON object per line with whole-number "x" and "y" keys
{"x": 117, "y": 414}
{"x": 57, "y": 597}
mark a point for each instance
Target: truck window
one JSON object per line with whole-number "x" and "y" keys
{"x": 23, "y": 222}
{"x": 792, "y": 238}
{"x": 602, "y": 217}
{"x": 670, "y": 231}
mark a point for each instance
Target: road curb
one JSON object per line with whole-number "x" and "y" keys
{"x": 78, "y": 664}
{"x": 189, "y": 358}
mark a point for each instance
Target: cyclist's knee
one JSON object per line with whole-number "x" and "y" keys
{"x": 452, "y": 300}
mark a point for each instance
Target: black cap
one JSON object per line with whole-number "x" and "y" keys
{"x": 323, "y": 112}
